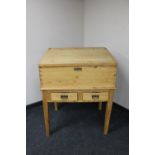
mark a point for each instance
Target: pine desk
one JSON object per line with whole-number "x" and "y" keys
{"x": 77, "y": 75}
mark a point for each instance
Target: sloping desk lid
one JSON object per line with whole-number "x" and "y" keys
{"x": 99, "y": 56}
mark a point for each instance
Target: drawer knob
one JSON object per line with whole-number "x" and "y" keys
{"x": 95, "y": 97}
{"x": 77, "y": 69}
{"x": 64, "y": 97}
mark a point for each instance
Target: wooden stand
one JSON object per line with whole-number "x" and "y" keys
{"x": 55, "y": 106}
{"x": 71, "y": 75}
{"x": 108, "y": 111}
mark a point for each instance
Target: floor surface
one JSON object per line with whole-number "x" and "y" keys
{"x": 77, "y": 129}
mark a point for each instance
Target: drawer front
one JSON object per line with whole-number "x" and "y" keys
{"x": 103, "y": 96}
{"x": 68, "y": 78}
{"x": 64, "y": 97}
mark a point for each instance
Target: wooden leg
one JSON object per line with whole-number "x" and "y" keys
{"x": 46, "y": 115}
{"x": 108, "y": 112}
{"x": 55, "y": 106}
{"x": 100, "y": 106}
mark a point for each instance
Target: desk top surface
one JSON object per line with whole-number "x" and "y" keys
{"x": 99, "y": 56}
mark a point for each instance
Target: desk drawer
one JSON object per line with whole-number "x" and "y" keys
{"x": 64, "y": 97}
{"x": 103, "y": 96}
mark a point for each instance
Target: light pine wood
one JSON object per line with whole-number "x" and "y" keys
{"x": 108, "y": 112}
{"x": 100, "y": 106}
{"x": 80, "y": 75}
{"x": 80, "y": 96}
{"x": 103, "y": 96}
{"x": 46, "y": 114}
{"x": 64, "y": 97}
{"x": 55, "y": 106}
{"x": 67, "y": 78}
{"x": 77, "y": 57}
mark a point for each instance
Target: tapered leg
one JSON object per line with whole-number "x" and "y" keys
{"x": 100, "y": 106}
{"x": 108, "y": 112}
{"x": 46, "y": 115}
{"x": 55, "y": 106}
